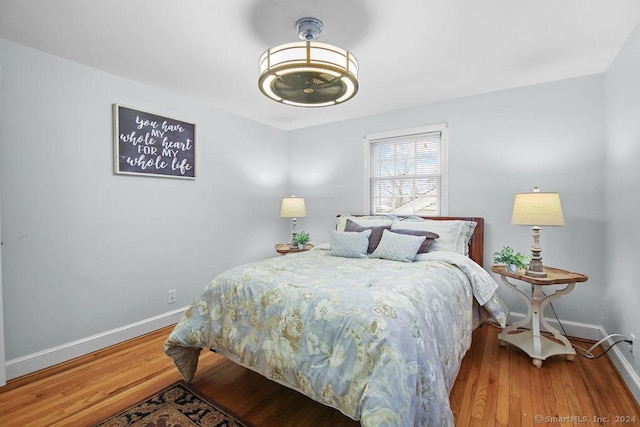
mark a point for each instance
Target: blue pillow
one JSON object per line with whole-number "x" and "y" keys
{"x": 398, "y": 247}
{"x": 349, "y": 244}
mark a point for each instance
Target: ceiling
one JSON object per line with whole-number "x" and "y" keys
{"x": 411, "y": 52}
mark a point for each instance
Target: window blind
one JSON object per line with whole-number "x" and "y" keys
{"x": 405, "y": 174}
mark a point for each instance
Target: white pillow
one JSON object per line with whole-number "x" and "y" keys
{"x": 468, "y": 232}
{"x": 349, "y": 244}
{"x": 364, "y": 221}
{"x": 454, "y": 234}
{"x": 398, "y": 247}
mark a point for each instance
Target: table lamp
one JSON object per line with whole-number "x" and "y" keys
{"x": 536, "y": 209}
{"x": 293, "y": 207}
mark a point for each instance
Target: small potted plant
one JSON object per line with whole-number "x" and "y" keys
{"x": 511, "y": 260}
{"x": 301, "y": 239}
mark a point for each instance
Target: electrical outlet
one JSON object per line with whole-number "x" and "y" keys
{"x": 632, "y": 338}
{"x": 172, "y": 297}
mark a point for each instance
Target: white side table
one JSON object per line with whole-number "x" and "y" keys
{"x": 537, "y": 346}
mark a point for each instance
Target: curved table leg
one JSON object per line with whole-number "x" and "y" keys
{"x": 524, "y": 322}
{"x": 556, "y": 334}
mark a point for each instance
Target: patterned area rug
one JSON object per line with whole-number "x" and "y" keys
{"x": 177, "y": 405}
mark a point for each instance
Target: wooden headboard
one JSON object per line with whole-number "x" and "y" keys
{"x": 476, "y": 245}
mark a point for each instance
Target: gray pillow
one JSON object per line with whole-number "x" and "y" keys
{"x": 376, "y": 233}
{"x": 349, "y": 244}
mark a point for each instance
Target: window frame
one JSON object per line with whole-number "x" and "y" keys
{"x": 371, "y": 138}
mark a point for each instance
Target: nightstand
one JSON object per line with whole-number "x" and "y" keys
{"x": 286, "y": 248}
{"x": 537, "y": 346}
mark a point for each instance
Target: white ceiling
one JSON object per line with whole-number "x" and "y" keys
{"x": 411, "y": 52}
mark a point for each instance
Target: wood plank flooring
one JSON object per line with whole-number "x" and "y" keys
{"x": 496, "y": 386}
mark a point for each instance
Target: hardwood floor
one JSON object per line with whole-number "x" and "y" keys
{"x": 496, "y": 386}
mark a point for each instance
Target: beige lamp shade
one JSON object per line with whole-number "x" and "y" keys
{"x": 293, "y": 207}
{"x": 537, "y": 208}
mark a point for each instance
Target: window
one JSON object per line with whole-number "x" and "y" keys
{"x": 407, "y": 171}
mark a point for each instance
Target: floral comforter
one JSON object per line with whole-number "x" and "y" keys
{"x": 382, "y": 341}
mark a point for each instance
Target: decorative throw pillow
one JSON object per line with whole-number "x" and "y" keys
{"x": 349, "y": 244}
{"x": 376, "y": 233}
{"x": 398, "y": 247}
{"x": 429, "y": 236}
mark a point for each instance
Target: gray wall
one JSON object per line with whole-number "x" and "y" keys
{"x": 550, "y": 135}
{"x": 622, "y": 202}
{"x": 3, "y": 373}
{"x": 86, "y": 251}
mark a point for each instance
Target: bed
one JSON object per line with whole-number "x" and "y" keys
{"x": 356, "y": 329}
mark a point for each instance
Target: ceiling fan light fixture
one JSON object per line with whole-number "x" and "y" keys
{"x": 308, "y": 73}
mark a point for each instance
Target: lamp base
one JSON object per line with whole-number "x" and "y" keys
{"x": 293, "y": 233}
{"x": 535, "y": 273}
{"x": 535, "y": 266}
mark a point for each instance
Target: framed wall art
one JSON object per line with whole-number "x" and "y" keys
{"x": 148, "y": 144}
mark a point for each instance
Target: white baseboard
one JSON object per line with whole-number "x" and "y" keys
{"x": 46, "y": 358}
{"x": 625, "y": 369}
{"x": 596, "y": 333}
